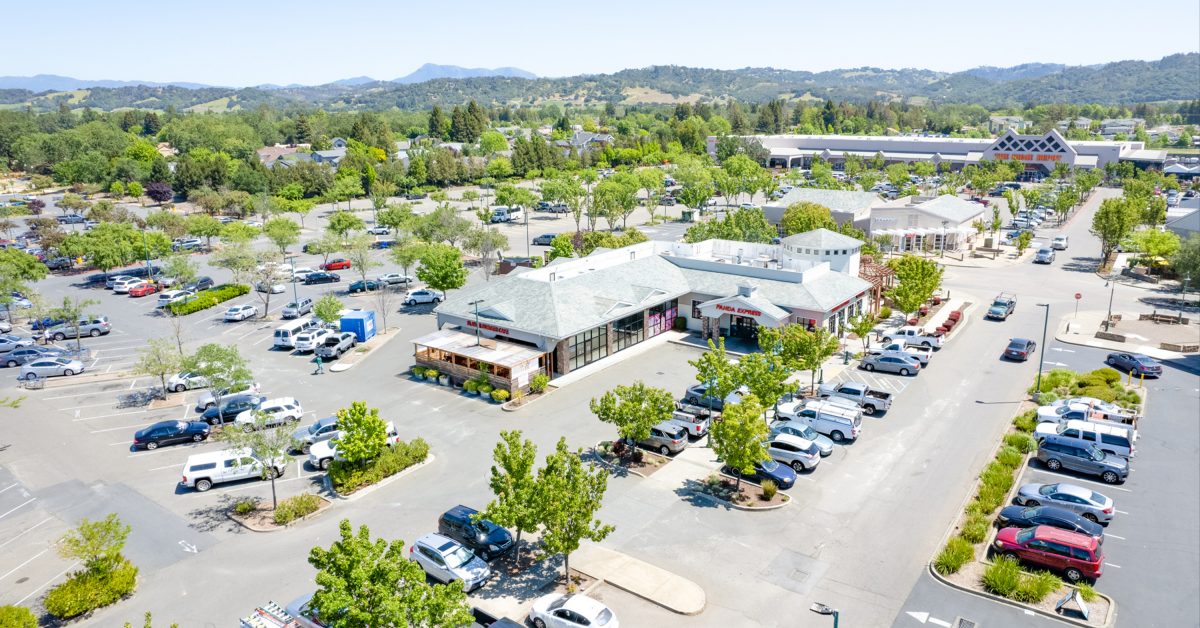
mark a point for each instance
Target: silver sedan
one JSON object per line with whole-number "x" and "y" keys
{"x": 1082, "y": 501}
{"x": 50, "y": 367}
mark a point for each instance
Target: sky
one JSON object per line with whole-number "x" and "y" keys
{"x": 250, "y": 42}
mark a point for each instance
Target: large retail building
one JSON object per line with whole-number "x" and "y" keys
{"x": 576, "y": 311}
{"x": 1038, "y": 152}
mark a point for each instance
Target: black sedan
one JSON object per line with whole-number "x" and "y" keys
{"x": 1134, "y": 363}
{"x": 1033, "y": 516}
{"x": 365, "y": 286}
{"x": 1020, "y": 349}
{"x": 169, "y": 433}
{"x": 230, "y": 407}
{"x": 545, "y": 239}
{"x": 321, "y": 277}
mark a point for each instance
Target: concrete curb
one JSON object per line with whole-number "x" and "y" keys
{"x": 326, "y": 505}
{"x": 738, "y": 506}
{"x": 612, "y": 467}
{"x": 1108, "y": 621}
{"x": 374, "y": 487}
{"x": 508, "y": 406}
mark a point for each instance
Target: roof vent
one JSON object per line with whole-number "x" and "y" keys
{"x": 745, "y": 290}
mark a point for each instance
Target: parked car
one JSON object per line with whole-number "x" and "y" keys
{"x": 486, "y": 539}
{"x": 45, "y": 322}
{"x": 1112, "y": 438}
{"x": 5, "y": 327}
{"x": 796, "y": 428}
{"x": 50, "y": 367}
{"x": 209, "y": 398}
{"x": 336, "y": 344}
{"x": 379, "y": 231}
{"x": 25, "y": 355}
{"x": 913, "y": 336}
{"x": 198, "y": 284}
{"x": 793, "y": 451}
{"x": 424, "y": 295}
{"x": 1076, "y": 556}
{"x": 296, "y": 309}
{"x": 570, "y": 611}
{"x": 8, "y": 342}
{"x": 122, "y": 286}
{"x": 1089, "y": 504}
{"x": 392, "y": 279}
{"x": 145, "y": 288}
{"x": 170, "y": 433}
{"x": 272, "y": 288}
{"x": 1057, "y": 452}
{"x": 698, "y": 396}
{"x": 93, "y": 326}
{"x": 695, "y": 425}
{"x": 1044, "y": 255}
{"x": 544, "y": 239}
{"x": 1134, "y": 363}
{"x": 302, "y": 273}
{"x": 1002, "y": 306}
{"x": 174, "y": 296}
{"x": 834, "y": 420}
{"x": 666, "y": 438}
{"x": 186, "y": 380}
{"x": 369, "y": 285}
{"x": 322, "y": 453}
{"x": 1060, "y": 243}
{"x": 277, "y": 412}
{"x": 187, "y": 244}
{"x": 1020, "y": 349}
{"x": 319, "y": 430}
{"x": 1053, "y": 516}
{"x": 230, "y": 407}
{"x": 890, "y": 362}
{"x": 447, "y": 560}
{"x": 918, "y": 353}
{"x": 869, "y": 399}
{"x": 240, "y": 312}
{"x": 502, "y": 213}
{"x": 321, "y": 277}
{"x": 202, "y": 471}
{"x": 339, "y": 263}
{"x": 309, "y": 340}
{"x": 782, "y": 475}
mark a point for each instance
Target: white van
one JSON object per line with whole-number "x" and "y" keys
{"x": 202, "y": 471}
{"x": 834, "y": 420}
{"x": 285, "y": 334}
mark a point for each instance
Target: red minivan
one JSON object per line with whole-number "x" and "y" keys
{"x": 1076, "y": 555}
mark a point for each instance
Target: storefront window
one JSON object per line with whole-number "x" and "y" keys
{"x": 662, "y": 316}
{"x": 696, "y": 309}
{"x": 629, "y": 331}
{"x": 587, "y": 347}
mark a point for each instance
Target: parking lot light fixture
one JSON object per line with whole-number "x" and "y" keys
{"x": 476, "y": 303}
{"x": 292, "y": 263}
{"x": 823, "y": 609}
{"x": 1037, "y": 390}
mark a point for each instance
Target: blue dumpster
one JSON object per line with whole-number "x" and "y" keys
{"x": 360, "y": 323}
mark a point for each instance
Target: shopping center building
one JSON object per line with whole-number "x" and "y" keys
{"x": 1039, "y": 152}
{"x": 577, "y": 311}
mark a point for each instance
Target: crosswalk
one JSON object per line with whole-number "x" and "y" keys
{"x": 888, "y": 383}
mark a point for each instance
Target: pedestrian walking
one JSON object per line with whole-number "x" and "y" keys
{"x": 320, "y": 367}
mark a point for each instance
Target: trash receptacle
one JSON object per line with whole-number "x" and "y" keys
{"x": 688, "y": 215}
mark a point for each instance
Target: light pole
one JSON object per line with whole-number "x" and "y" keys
{"x": 476, "y": 303}
{"x": 822, "y": 609}
{"x": 1112, "y": 285}
{"x": 1183, "y": 292}
{"x": 527, "y": 253}
{"x": 292, "y": 263}
{"x": 1037, "y": 390}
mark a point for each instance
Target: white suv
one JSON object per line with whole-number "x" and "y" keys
{"x": 424, "y": 295}
{"x": 309, "y": 340}
{"x": 296, "y": 309}
{"x": 201, "y": 471}
{"x": 278, "y": 411}
{"x": 174, "y": 296}
{"x": 122, "y": 285}
{"x": 446, "y": 560}
{"x": 796, "y": 452}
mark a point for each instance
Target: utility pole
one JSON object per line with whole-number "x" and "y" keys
{"x": 1037, "y": 390}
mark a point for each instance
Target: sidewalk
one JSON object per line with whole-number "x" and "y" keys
{"x": 670, "y": 591}
{"x": 1007, "y": 257}
{"x": 1081, "y": 330}
{"x": 617, "y": 358}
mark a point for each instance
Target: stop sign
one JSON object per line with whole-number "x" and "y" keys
{"x": 1078, "y": 296}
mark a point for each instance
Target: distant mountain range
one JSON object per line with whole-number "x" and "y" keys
{"x": 1176, "y": 77}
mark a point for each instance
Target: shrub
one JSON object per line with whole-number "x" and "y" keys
{"x": 976, "y": 507}
{"x": 499, "y": 395}
{"x": 1023, "y": 443}
{"x": 975, "y": 528}
{"x": 485, "y": 389}
{"x": 1109, "y": 375}
{"x": 990, "y": 498}
{"x": 1131, "y": 398}
{"x": 431, "y": 373}
{"x": 1089, "y": 380}
{"x": 1036, "y": 586}
{"x": 1002, "y": 577}
{"x": 1056, "y": 378}
{"x": 1101, "y": 392}
{"x": 85, "y": 591}
{"x": 1026, "y": 422}
{"x": 885, "y": 312}
{"x": 1009, "y": 457}
{"x": 769, "y": 488}
{"x": 1087, "y": 592}
{"x": 1047, "y": 398}
{"x": 208, "y": 298}
{"x": 958, "y": 552}
{"x": 245, "y": 506}
{"x": 347, "y": 478}
{"x": 418, "y": 372}
{"x": 21, "y": 617}
{"x": 538, "y": 383}
{"x": 296, "y": 507}
{"x": 470, "y": 386}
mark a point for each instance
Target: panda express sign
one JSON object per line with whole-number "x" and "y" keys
{"x": 741, "y": 311}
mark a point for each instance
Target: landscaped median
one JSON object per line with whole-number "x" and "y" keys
{"x": 209, "y": 298}
{"x": 965, "y": 562}
{"x": 345, "y": 478}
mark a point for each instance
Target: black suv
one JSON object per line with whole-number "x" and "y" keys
{"x": 201, "y": 283}
{"x": 230, "y": 407}
{"x": 483, "y": 537}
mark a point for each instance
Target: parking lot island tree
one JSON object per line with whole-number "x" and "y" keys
{"x": 739, "y": 438}
{"x": 406, "y": 253}
{"x": 1113, "y": 222}
{"x": 342, "y": 223}
{"x": 158, "y": 358}
{"x": 813, "y": 348}
{"x": 398, "y": 218}
{"x": 861, "y": 325}
{"x": 18, "y": 270}
{"x": 268, "y": 273}
{"x": 270, "y": 443}
{"x": 222, "y": 366}
{"x": 1023, "y": 242}
{"x": 326, "y": 245}
{"x": 486, "y": 242}
{"x": 918, "y": 278}
{"x": 239, "y": 232}
{"x": 106, "y": 575}
{"x": 363, "y": 433}
{"x": 442, "y": 267}
{"x": 73, "y": 311}
{"x": 571, "y": 495}
{"x": 203, "y": 226}
{"x": 634, "y": 409}
{"x": 371, "y": 582}
{"x": 282, "y": 232}
{"x": 328, "y": 309}
{"x": 180, "y": 268}
{"x": 517, "y": 496}
{"x": 236, "y": 257}
{"x": 362, "y": 257}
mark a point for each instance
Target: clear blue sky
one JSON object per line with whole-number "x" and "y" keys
{"x": 246, "y": 42}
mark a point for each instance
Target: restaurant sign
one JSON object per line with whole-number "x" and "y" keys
{"x": 745, "y": 311}
{"x": 489, "y": 327}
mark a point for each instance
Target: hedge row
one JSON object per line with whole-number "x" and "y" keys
{"x": 347, "y": 477}
{"x": 209, "y": 298}
{"x": 1005, "y": 578}
{"x": 85, "y": 591}
{"x": 296, "y": 507}
{"x": 1102, "y": 383}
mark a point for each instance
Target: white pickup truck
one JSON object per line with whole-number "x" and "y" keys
{"x": 695, "y": 425}
{"x": 870, "y": 400}
{"x": 916, "y": 352}
{"x": 913, "y": 337}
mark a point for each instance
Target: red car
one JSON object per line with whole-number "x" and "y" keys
{"x": 336, "y": 264}
{"x": 143, "y": 289}
{"x": 1076, "y": 555}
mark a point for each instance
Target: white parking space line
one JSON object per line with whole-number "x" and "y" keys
{"x": 47, "y": 583}
{"x": 1113, "y": 536}
{"x": 87, "y": 394}
{"x": 123, "y": 427}
{"x": 1120, "y": 511}
{"x": 89, "y": 405}
{"x": 1112, "y": 565}
{"x": 8, "y": 487}
{"x": 262, "y": 340}
{"x": 170, "y": 466}
{"x": 29, "y": 529}
{"x": 105, "y": 416}
{"x": 124, "y": 442}
{"x": 14, "y": 569}
{"x": 16, "y": 508}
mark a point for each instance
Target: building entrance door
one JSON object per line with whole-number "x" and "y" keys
{"x": 743, "y": 327}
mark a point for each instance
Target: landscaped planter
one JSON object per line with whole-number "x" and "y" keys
{"x": 444, "y": 380}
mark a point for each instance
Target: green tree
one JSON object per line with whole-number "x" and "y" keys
{"x": 364, "y": 582}
{"x": 282, "y": 232}
{"x": 73, "y": 311}
{"x": 222, "y": 366}
{"x": 135, "y": 190}
{"x": 203, "y": 226}
{"x": 17, "y": 617}
{"x": 651, "y": 181}
{"x": 326, "y": 245}
{"x": 571, "y": 495}
{"x": 765, "y": 375}
{"x": 406, "y": 253}
{"x": 442, "y": 268}
{"x": 362, "y": 256}
{"x": 396, "y": 217}
{"x": 1023, "y": 242}
{"x": 239, "y": 232}
{"x": 96, "y": 544}
{"x": 492, "y": 142}
{"x": 739, "y": 438}
{"x": 117, "y": 189}
{"x": 363, "y": 434}
{"x": 486, "y": 242}
{"x": 1112, "y": 223}
{"x": 813, "y": 348}
{"x": 1186, "y": 261}
{"x": 741, "y": 225}
{"x": 342, "y": 223}
{"x": 516, "y": 490}
{"x": 17, "y": 270}
{"x": 715, "y": 369}
{"x": 634, "y": 409}
{"x": 269, "y": 443}
{"x": 236, "y": 257}
{"x": 918, "y": 279}
{"x": 861, "y": 326}
{"x": 1156, "y": 245}
{"x": 345, "y": 189}
{"x": 806, "y": 216}
{"x": 158, "y": 359}
{"x": 328, "y": 309}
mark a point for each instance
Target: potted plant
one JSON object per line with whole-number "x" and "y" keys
{"x": 485, "y": 389}
{"x": 499, "y": 395}
{"x": 444, "y": 379}
{"x": 431, "y": 374}
{"x": 418, "y": 372}
{"x": 471, "y": 387}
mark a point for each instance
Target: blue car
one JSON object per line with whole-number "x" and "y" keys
{"x": 782, "y": 475}
{"x": 45, "y": 323}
